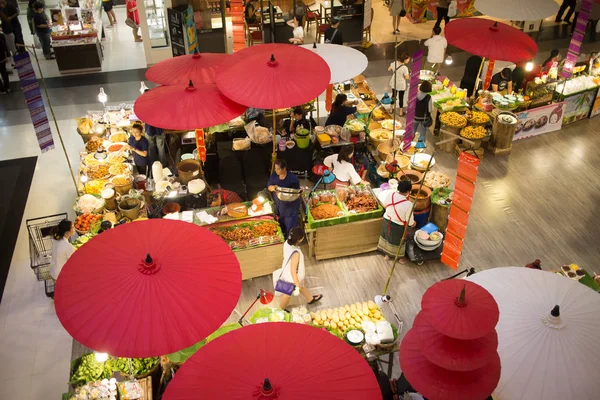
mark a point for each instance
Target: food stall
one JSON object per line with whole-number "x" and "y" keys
{"x": 579, "y": 95}
{"x": 76, "y": 33}
{"x": 341, "y": 222}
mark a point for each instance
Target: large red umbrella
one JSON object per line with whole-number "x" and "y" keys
{"x": 148, "y": 288}
{"x": 186, "y": 107}
{"x": 437, "y": 383}
{"x": 490, "y": 39}
{"x": 455, "y": 354}
{"x": 275, "y": 361}
{"x": 460, "y": 309}
{"x": 200, "y": 68}
{"x": 273, "y": 76}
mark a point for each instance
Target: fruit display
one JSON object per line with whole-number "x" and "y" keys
{"x": 139, "y": 366}
{"x": 450, "y": 104}
{"x": 473, "y": 132}
{"x": 84, "y": 222}
{"x": 81, "y": 240}
{"x": 88, "y": 369}
{"x": 347, "y": 317}
{"x": 477, "y": 117}
{"x": 250, "y": 234}
{"x": 453, "y": 120}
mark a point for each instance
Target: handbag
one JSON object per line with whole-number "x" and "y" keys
{"x": 332, "y": 36}
{"x": 130, "y": 23}
{"x": 282, "y": 286}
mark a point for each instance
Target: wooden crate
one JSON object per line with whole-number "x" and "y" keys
{"x": 346, "y": 239}
{"x": 260, "y": 261}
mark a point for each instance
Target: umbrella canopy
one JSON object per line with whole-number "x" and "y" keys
{"x": 148, "y": 288}
{"x": 200, "y": 68}
{"x": 460, "y": 309}
{"x": 543, "y": 356}
{"x": 344, "y": 61}
{"x": 454, "y": 354}
{"x": 490, "y": 39}
{"x": 437, "y": 383}
{"x": 273, "y": 76}
{"x": 518, "y": 10}
{"x": 275, "y": 360}
{"x": 186, "y": 107}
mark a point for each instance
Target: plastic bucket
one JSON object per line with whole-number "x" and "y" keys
{"x": 302, "y": 141}
{"x": 188, "y": 170}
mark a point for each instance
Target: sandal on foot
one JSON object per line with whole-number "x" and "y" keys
{"x": 316, "y": 298}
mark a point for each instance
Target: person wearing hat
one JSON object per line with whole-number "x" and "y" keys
{"x": 502, "y": 81}
{"x": 333, "y": 34}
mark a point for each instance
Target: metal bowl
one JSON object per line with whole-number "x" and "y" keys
{"x": 287, "y": 194}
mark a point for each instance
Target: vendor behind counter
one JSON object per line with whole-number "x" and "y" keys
{"x": 340, "y": 110}
{"x": 286, "y": 211}
{"x": 502, "y": 81}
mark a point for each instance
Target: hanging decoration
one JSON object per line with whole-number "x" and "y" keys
{"x": 577, "y": 39}
{"x": 412, "y": 99}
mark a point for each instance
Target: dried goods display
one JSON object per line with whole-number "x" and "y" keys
{"x": 115, "y": 159}
{"x": 90, "y": 160}
{"x": 325, "y": 211}
{"x": 93, "y": 144}
{"x": 453, "y": 120}
{"x": 250, "y": 234}
{"x": 477, "y": 117}
{"x": 99, "y": 171}
{"x": 359, "y": 200}
{"x": 435, "y": 179}
{"x": 473, "y": 132}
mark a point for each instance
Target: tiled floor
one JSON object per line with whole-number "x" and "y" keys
{"x": 34, "y": 348}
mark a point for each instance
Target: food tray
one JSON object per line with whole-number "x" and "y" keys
{"x": 253, "y": 242}
{"x": 568, "y": 269}
{"x": 439, "y": 104}
{"x": 353, "y": 216}
{"x": 313, "y": 223}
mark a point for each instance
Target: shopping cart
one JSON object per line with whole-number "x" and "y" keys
{"x": 40, "y": 247}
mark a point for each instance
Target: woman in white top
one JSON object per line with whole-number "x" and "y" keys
{"x": 62, "y": 249}
{"x": 293, "y": 268}
{"x": 342, "y": 167}
{"x": 398, "y": 216}
{"x": 298, "y": 31}
{"x": 400, "y": 79}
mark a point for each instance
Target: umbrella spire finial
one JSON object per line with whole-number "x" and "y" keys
{"x": 460, "y": 300}
{"x": 314, "y": 45}
{"x": 267, "y": 389}
{"x": 148, "y": 259}
{"x": 494, "y": 28}
{"x": 190, "y": 87}
{"x": 196, "y": 55}
{"x": 148, "y": 266}
{"x": 272, "y": 62}
{"x": 555, "y": 311}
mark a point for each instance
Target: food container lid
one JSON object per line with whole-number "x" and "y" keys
{"x": 107, "y": 193}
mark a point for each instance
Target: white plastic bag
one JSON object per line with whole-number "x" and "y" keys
{"x": 452, "y": 11}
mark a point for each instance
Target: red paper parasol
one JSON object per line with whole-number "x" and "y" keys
{"x": 437, "y": 383}
{"x": 200, "y": 68}
{"x": 275, "y": 361}
{"x": 186, "y": 108}
{"x": 460, "y": 309}
{"x": 454, "y": 354}
{"x": 112, "y": 299}
{"x": 490, "y": 39}
{"x": 273, "y": 76}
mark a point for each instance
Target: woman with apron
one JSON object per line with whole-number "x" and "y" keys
{"x": 398, "y": 215}
{"x": 342, "y": 167}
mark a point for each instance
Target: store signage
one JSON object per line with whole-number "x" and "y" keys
{"x": 412, "y": 99}
{"x": 462, "y": 199}
{"x": 175, "y": 18}
{"x": 578, "y": 106}
{"x": 539, "y": 120}
{"x": 201, "y": 145}
{"x": 577, "y": 38}
{"x": 190, "y": 31}
{"x": 35, "y": 103}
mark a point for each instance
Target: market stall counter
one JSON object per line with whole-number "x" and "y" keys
{"x": 342, "y": 222}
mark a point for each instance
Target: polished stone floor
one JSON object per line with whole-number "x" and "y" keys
{"x": 540, "y": 202}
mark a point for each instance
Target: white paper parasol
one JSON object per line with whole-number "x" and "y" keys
{"x": 344, "y": 62}
{"x": 543, "y": 356}
{"x": 517, "y": 10}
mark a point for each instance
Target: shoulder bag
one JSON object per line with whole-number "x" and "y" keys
{"x": 282, "y": 286}
{"x": 332, "y": 36}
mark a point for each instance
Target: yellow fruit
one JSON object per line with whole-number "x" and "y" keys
{"x": 348, "y": 315}
{"x": 326, "y": 324}
{"x": 365, "y": 310}
{"x": 323, "y": 316}
{"x": 347, "y": 307}
{"x": 364, "y": 304}
{"x": 376, "y": 314}
{"x": 335, "y": 318}
{"x": 365, "y": 319}
{"x": 333, "y": 325}
{"x": 352, "y": 307}
{"x": 371, "y": 305}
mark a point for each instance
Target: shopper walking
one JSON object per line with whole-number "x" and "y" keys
{"x": 333, "y": 34}
{"x": 133, "y": 19}
{"x": 4, "y": 57}
{"x": 293, "y": 271}
{"x": 436, "y": 49}
{"x": 397, "y": 11}
{"x": 107, "y": 5}
{"x": 42, "y": 30}
{"x": 423, "y": 111}
{"x": 30, "y": 14}
{"x": 442, "y": 13}
{"x": 399, "y": 80}
{"x": 62, "y": 249}
{"x": 10, "y": 13}
{"x": 570, "y": 4}
{"x": 398, "y": 216}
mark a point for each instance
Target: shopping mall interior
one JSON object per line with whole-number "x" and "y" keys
{"x": 536, "y": 202}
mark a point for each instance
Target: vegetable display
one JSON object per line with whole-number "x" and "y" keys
{"x": 139, "y": 366}
{"x": 84, "y": 222}
{"x": 90, "y": 370}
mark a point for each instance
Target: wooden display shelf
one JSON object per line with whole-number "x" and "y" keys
{"x": 344, "y": 239}
{"x": 260, "y": 261}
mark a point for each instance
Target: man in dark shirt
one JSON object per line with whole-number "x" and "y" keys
{"x": 333, "y": 35}
{"x": 10, "y": 14}
{"x": 502, "y": 81}
{"x": 297, "y": 120}
{"x": 139, "y": 145}
{"x": 42, "y": 29}
{"x": 156, "y": 141}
